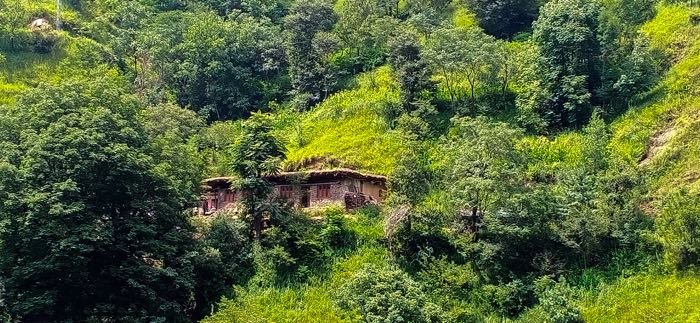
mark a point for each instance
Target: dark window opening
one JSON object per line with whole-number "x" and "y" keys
{"x": 305, "y": 198}
{"x": 324, "y": 191}
{"x": 286, "y": 192}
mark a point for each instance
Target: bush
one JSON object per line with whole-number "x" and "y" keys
{"x": 677, "y": 230}
{"x": 336, "y": 233}
{"x": 232, "y": 239}
{"x": 387, "y": 295}
{"x": 506, "y": 299}
{"x": 557, "y": 300}
{"x": 291, "y": 246}
{"x": 45, "y": 41}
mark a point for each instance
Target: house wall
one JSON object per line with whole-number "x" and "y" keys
{"x": 376, "y": 191}
{"x": 373, "y": 189}
{"x": 221, "y": 197}
{"x": 337, "y": 190}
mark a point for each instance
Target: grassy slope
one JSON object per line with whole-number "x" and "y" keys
{"x": 647, "y": 298}
{"x": 350, "y": 126}
{"x": 22, "y": 70}
{"x": 673, "y": 111}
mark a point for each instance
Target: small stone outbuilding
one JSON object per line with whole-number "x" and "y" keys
{"x": 303, "y": 189}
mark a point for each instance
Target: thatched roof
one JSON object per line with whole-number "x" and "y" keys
{"x": 324, "y": 174}
{"x": 310, "y": 176}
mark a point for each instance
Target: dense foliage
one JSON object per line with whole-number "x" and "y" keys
{"x": 542, "y": 160}
{"x": 91, "y": 228}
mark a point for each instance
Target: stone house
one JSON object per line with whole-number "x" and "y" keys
{"x": 303, "y": 189}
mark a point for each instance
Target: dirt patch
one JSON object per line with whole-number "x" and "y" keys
{"x": 656, "y": 144}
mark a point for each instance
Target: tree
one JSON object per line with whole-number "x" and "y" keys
{"x": 410, "y": 181}
{"x": 258, "y": 153}
{"x": 364, "y": 27}
{"x": 273, "y": 9}
{"x": 172, "y": 132}
{"x": 95, "y": 231}
{"x": 117, "y": 26}
{"x": 387, "y": 295}
{"x": 566, "y": 33}
{"x": 579, "y": 226}
{"x": 306, "y": 18}
{"x": 483, "y": 166}
{"x": 410, "y": 67}
{"x": 224, "y": 69}
{"x": 13, "y": 16}
{"x": 629, "y": 65}
{"x": 457, "y": 53}
{"x": 226, "y": 259}
{"x": 505, "y": 18}
{"x": 677, "y": 230}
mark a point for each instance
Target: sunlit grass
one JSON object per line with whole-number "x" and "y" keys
{"x": 350, "y": 126}
{"x": 646, "y": 298}
{"x": 675, "y": 110}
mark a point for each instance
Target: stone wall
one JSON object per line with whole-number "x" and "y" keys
{"x": 361, "y": 193}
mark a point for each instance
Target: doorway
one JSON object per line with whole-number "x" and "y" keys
{"x": 305, "y": 196}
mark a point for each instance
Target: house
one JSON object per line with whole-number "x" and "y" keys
{"x": 303, "y": 189}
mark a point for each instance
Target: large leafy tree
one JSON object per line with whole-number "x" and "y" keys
{"x": 221, "y": 68}
{"x": 483, "y": 167}
{"x": 307, "y": 69}
{"x": 410, "y": 68}
{"x": 172, "y": 133}
{"x": 566, "y": 33}
{"x": 505, "y": 18}
{"x": 457, "y": 53}
{"x": 364, "y": 27}
{"x": 274, "y": 9}
{"x": 259, "y": 153}
{"x": 91, "y": 229}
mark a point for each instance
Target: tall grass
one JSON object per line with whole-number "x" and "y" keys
{"x": 646, "y": 298}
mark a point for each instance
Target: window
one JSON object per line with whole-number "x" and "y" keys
{"x": 324, "y": 191}
{"x": 286, "y": 192}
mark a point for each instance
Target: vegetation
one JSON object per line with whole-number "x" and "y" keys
{"x": 542, "y": 158}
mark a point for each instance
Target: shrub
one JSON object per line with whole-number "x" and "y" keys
{"x": 291, "y": 246}
{"x": 45, "y": 41}
{"x": 387, "y": 295}
{"x": 232, "y": 239}
{"x": 557, "y": 300}
{"x": 506, "y": 299}
{"x": 336, "y": 233}
{"x": 677, "y": 230}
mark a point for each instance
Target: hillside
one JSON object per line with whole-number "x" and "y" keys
{"x": 542, "y": 161}
{"x": 350, "y": 126}
{"x": 661, "y": 134}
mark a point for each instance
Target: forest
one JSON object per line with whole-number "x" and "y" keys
{"x": 542, "y": 157}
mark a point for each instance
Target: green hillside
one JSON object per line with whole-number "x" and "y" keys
{"x": 350, "y": 126}
{"x": 542, "y": 160}
{"x": 661, "y": 134}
